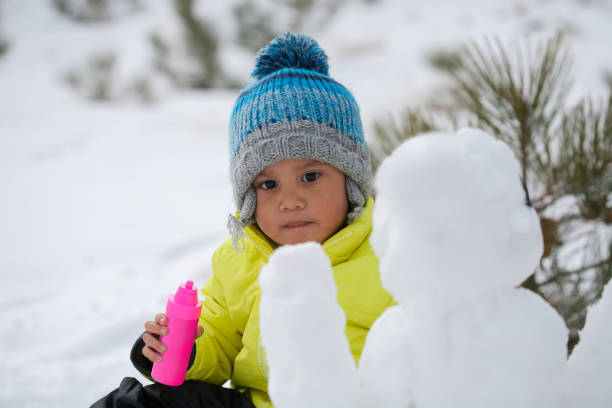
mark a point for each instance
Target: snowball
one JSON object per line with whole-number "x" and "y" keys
{"x": 451, "y": 210}
{"x": 506, "y": 350}
{"x": 302, "y": 330}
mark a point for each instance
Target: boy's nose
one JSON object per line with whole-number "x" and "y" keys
{"x": 292, "y": 201}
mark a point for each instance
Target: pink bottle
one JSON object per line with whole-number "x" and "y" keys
{"x": 183, "y": 311}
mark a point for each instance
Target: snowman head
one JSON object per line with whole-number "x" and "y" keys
{"x": 452, "y": 221}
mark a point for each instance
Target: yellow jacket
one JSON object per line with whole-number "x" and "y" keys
{"x": 230, "y": 346}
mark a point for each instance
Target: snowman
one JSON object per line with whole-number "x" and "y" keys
{"x": 455, "y": 235}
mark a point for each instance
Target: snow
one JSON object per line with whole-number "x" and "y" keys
{"x": 586, "y": 382}
{"x": 105, "y": 208}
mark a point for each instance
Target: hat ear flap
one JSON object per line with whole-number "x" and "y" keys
{"x": 247, "y": 212}
{"x": 236, "y": 226}
{"x": 355, "y": 198}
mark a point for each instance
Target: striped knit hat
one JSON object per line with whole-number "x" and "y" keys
{"x": 296, "y": 110}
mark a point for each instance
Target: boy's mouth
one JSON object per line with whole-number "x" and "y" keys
{"x": 297, "y": 224}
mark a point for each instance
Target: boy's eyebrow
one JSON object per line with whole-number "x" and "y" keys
{"x": 309, "y": 163}
{"x": 262, "y": 174}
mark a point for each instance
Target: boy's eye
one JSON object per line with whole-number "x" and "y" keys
{"x": 267, "y": 184}
{"x": 311, "y": 176}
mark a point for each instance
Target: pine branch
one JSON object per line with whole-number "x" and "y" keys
{"x": 584, "y": 164}
{"x": 561, "y": 273}
{"x": 518, "y": 96}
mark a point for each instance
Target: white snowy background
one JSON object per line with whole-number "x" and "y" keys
{"x": 106, "y": 207}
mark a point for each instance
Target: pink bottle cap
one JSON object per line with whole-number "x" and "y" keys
{"x": 184, "y": 303}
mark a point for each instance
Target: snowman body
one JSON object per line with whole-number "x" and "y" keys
{"x": 455, "y": 236}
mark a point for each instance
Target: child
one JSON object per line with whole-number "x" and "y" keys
{"x": 300, "y": 171}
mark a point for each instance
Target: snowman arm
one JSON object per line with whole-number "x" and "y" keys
{"x": 303, "y": 331}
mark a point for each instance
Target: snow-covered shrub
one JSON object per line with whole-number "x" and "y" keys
{"x": 98, "y": 80}
{"x": 87, "y": 11}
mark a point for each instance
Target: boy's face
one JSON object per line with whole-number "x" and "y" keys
{"x": 300, "y": 200}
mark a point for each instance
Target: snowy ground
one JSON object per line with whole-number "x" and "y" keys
{"x": 105, "y": 208}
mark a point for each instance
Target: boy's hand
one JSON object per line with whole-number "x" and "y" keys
{"x": 153, "y": 346}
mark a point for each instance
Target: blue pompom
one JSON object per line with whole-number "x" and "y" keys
{"x": 290, "y": 51}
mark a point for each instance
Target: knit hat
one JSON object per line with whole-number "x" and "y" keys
{"x": 296, "y": 110}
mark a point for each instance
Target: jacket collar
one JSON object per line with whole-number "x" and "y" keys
{"x": 339, "y": 247}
